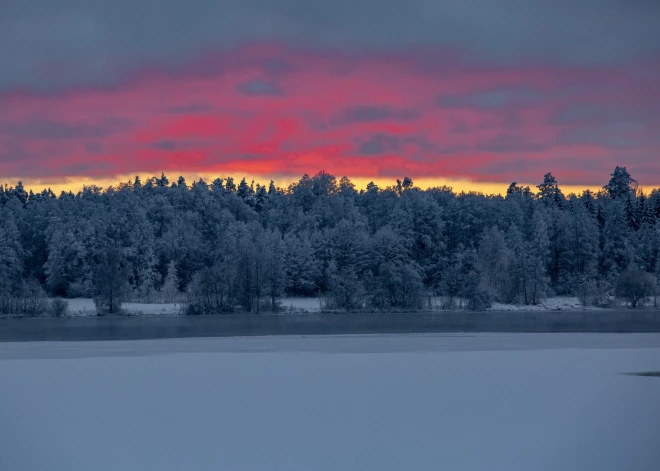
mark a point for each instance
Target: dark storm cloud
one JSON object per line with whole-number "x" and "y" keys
{"x": 48, "y": 44}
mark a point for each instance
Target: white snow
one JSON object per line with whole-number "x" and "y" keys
{"x": 559, "y": 303}
{"x": 152, "y": 309}
{"x": 416, "y": 402}
{"x": 81, "y": 307}
{"x": 86, "y": 307}
{"x": 301, "y": 304}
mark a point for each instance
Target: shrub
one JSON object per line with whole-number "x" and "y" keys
{"x": 634, "y": 286}
{"x": 59, "y": 308}
{"x": 480, "y": 299}
{"x": 346, "y": 291}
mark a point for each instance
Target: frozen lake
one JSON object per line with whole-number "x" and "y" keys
{"x": 381, "y": 402}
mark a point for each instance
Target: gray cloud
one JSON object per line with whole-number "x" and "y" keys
{"x": 360, "y": 114}
{"x": 380, "y": 144}
{"x": 99, "y": 41}
{"x": 44, "y": 129}
{"x": 510, "y": 143}
{"x": 93, "y": 147}
{"x": 492, "y": 99}
{"x": 194, "y": 108}
{"x": 613, "y": 135}
{"x": 172, "y": 145}
{"x": 260, "y": 87}
{"x": 601, "y": 113}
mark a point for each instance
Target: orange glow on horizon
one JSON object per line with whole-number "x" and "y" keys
{"x": 76, "y": 184}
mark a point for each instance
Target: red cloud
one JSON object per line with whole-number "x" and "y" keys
{"x": 276, "y": 111}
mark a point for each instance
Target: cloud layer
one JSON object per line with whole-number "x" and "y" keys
{"x": 374, "y": 89}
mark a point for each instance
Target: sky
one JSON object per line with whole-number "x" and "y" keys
{"x": 470, "y": 93}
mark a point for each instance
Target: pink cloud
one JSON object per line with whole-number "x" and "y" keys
{"x": 273, "y": 110}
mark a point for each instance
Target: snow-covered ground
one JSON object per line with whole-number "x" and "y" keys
{"x": 390, "y": 402}
{"x": 85, "y": 307}
{"x": 301, "y": 304}
{"x": 559, "y": 303}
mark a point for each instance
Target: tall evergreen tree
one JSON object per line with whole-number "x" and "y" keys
{"x": 621, "y": 185}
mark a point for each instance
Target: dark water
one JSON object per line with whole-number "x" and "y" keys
{"x": 147, "y": 327}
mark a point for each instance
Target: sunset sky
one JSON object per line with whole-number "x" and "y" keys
{"x": 474, "y": 94}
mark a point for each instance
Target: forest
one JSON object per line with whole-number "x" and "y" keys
{"x": 223, "y": 247}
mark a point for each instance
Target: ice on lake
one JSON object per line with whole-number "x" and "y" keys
{"x": 389, "y": 402}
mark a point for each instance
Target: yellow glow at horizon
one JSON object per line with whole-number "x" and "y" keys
{"x": 76, "y": 184}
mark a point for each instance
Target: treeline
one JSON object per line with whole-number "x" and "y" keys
{"x": 223, "y": 247}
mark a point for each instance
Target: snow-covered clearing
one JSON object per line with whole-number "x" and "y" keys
{"x": 390, "y": 402}
{"x": 301, "y": 304}
{"x": 560, "y": 303}
{"x": 85, "y": 307}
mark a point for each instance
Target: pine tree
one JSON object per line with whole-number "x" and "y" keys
{"x": 589, "y": 202}
{"x": 110, "y": 279}
{"x": 494, "y": 261}
{"x": 271, "y": 188}
{"x": 537, "y": 255}
{"x": 11, "y": 263}
{"x": 582, "y": 236}
{"x": 654, "y": 203}
{"x": 217, "y": 186}
{"x": 162, "y": 181}
{"x": 142, "y": 258}
{"x": 549, "y": 191}
{"x": 517, "y": 273}
{"x": 230, "y": 186}
{"x": 621, "y": 185}
{"x": 273, "y": 262}
{"x": 615, "y": 235}
{"x": 170, "y": 289}
{"x": 244, "y": 191}
{"x": 630, "y": 212}
{"x": 300, "y": 265}
{"x": 644, "y": 211}
{"x": 20, "y": 194}
{"x": 55, "y": 267}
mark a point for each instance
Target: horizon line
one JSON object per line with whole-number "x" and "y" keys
{"x": 77, "y": 184}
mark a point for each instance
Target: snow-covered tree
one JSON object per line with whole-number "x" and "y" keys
{"x": 233, "y": 245}
{"x": 300, "y": 265}
{"x": 273, "y": 264}
{"x": 634, "y": 285}
{"x": 621, "y": 185}
{"x": 170, "y": 290}
{"x": 549, "y": 191}
{"x": 110, "y": 279}
{"x": 11, "y": 263}
{"x": 144, "y": 275}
